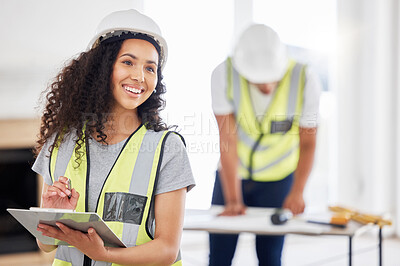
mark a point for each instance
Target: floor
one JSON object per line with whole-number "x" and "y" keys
{"x": 298, "y": 251}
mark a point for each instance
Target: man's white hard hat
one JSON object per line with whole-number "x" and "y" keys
{"x": 259, "y": 55}
{"x": 130, "y": 21}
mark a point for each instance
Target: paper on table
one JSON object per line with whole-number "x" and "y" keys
{"x": 256, "y": 220}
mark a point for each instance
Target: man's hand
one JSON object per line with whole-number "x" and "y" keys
{"x": 233, "y": 209}
{"x": 294, "y": 202}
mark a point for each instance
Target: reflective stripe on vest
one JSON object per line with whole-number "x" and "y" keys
{"x": 126, "y": 198}
{"x": 268, "y": 150}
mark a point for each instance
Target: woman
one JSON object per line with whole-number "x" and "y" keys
{"x": 101, "y": 131}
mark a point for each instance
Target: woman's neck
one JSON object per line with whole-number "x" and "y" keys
{"x": 120, "y": 126}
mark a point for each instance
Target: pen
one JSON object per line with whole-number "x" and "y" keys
{"x": 335, "y": 225}
{"x": 69, "y": 188}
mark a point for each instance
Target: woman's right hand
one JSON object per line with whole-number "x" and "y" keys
{"x": 56, "y": 195}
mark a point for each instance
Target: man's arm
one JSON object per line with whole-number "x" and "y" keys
{"x": 295, "y": 201}
{"x": 231, "y": 184}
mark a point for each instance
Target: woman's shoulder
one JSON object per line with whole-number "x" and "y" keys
{"x": 48, "y": 147}
{"x": 172, "y": 141}
{"x": 65, "y": 141}
{"x": 65, "y": 138}
{"x": 175, "y": 139}
{"x": 171, "y": 137}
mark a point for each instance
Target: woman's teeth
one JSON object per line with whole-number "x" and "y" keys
{"x": 133, "y": 90}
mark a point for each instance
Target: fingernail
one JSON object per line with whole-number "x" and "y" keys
{"x": 62, "y": 194}
{"x": 68, "y": 192}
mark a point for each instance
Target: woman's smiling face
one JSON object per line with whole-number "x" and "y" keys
{"x": 134, "y": 75}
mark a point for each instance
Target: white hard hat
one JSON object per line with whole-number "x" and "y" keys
{"x": 259, "y": 55}
{"x": 130, "y": 21}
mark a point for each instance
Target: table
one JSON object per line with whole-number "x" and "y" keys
{"x": 258, "y": 221}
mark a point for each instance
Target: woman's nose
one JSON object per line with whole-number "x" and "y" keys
{"x": 137, "y": 74}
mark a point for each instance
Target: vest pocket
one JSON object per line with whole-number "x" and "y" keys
{"x": 281, "y": 126}
{"x": 124, "y": 207}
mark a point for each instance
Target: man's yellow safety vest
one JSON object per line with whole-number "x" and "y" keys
{"x": 268, "y": 150}
{"x": 127, "y": 196}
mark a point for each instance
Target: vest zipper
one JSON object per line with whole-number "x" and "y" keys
{"x": 253, "y": 150}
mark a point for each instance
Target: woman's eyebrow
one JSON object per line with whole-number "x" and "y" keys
{"x": 134, "y": 57}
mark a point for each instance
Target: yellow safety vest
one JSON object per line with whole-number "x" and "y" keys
{"x": 268, "y": 150}
{"x": 131, "y": 180}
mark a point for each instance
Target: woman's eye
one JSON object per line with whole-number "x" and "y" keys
{"x": 151, "y": 69}
{"x": 127, "y": 62}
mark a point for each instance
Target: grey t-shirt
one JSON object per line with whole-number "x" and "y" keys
{"x": 175, "y": 171}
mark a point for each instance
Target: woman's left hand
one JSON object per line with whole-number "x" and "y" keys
{"x": 88, "y": 243}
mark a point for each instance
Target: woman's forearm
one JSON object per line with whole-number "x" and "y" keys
{"x": 155, "y": 252}
{"x": 44, "y": 247}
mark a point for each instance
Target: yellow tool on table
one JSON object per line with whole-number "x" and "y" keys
{"x": 362, "y": 218}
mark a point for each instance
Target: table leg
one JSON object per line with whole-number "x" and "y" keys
{"x": 380, "y": 246}
{"x": 350, "y": 249}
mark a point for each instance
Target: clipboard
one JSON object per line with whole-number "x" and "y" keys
{"x": 81, "y": 221}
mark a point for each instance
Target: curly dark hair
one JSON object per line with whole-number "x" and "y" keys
{"x": 81, "y": 94}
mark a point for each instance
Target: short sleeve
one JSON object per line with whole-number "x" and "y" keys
{"x": 220, "y": 103}
{"x": 312, "y": 90}
{"x": 175, "y": 170}
{"x": 41, "y": 165}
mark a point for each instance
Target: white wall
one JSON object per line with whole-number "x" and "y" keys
{"x": 37, "y": 37}
{"x": 368, "y": 118}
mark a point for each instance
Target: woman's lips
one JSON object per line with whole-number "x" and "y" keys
{"x": 133, "y": 89}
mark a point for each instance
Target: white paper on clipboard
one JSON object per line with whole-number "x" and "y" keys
{"x": 81, "y": 221}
